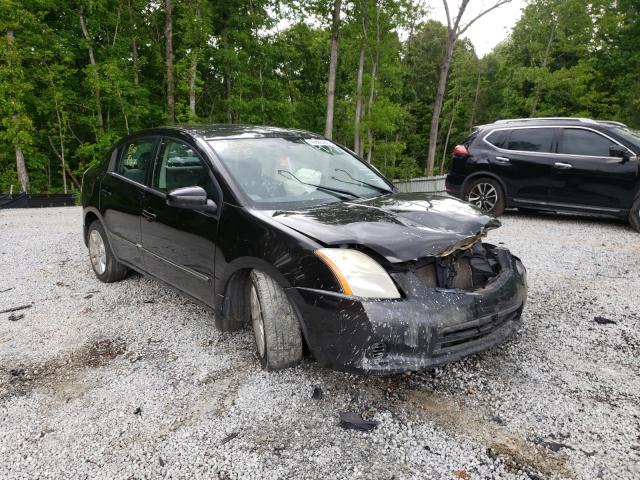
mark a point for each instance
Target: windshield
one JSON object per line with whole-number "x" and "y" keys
{"x": 628, "y": 134}
{"x": 297, "y": 172}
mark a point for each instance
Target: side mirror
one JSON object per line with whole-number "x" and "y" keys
{"x": 191, "y": 198}
{"x": 620, "y": 152}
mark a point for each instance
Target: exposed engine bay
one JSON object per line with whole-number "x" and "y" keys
{"x": 469, "y": 269}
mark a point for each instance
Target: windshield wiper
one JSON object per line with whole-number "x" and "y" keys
{"x": 337, "y": 192}
{"x": 359, "y": 182}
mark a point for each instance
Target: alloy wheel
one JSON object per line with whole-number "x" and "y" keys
{"x": 484, "y": 196}
{"x": 257, "y": 320}
{"x": 97, "y": 252}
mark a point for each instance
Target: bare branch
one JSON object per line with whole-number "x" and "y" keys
{"x": 461, "y": 10}
{"x": 446, "y": 9}
{"x": 481, "y": 14}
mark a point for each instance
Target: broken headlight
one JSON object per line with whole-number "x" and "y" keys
{"x": 358, "y": 273}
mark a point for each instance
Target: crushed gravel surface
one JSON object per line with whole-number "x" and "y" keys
{"x": 131, "y": 380}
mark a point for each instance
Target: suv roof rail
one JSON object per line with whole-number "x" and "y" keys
{"x": 536, "y": 119}
{"x": 613, "y": 122}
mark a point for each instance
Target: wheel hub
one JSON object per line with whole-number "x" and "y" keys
{"x": 484, "y": 196}
{"x": 97, "y": 252}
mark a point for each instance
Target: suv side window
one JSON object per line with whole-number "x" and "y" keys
{"x": 136, "y": 159}
{"x": 498, "y": 138}
{"x": 180, "y": 166}
{"x": 576, "y": 141}
{"x": 531, "y": 139}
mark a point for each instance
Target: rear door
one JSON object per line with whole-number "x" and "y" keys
{"x": 121, "y": 194}
{"x": 523, "y": 160}
{"x": 586, "y": 176}
{"x": 179, "y": 244}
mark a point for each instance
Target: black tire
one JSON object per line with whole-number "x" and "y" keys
{"x": 634, "y": 215}
{"x": 113, "y": 271}
{"x": 282, "y": 340}
{"x": 478, "y": 184}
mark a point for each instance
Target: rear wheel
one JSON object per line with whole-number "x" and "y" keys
{"x": 487, "y": 195}
{"x": 275, "y": 323}
{"x": 634, "y": 215}
{"x": 103, "y": 262}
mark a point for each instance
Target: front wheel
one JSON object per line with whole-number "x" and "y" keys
{"x": 103, "y": 262}
{"x": 487, "y": 195}
{"x": 634, "y": 215}
{"x": 275, "y": 323}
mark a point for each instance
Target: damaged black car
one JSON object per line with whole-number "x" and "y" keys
{"x": 294, "y": 235}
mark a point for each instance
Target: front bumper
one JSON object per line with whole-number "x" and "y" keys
{"x": 429, "y": 327}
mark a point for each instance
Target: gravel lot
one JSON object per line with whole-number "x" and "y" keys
{"x": 130, "y": 380}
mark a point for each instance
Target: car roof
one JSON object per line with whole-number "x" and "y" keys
{"x": 550, "y": 121}
{"x": 217, "y": 131}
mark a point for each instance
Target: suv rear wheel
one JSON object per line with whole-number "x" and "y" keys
{"x": 275, "y": 323}
{"x": 634, "y": 215}
{"x": 486, "y": 194}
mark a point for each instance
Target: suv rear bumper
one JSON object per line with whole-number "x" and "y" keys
{"x": 453, "y": 184}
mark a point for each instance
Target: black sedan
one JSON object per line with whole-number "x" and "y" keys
{"x": 294, "y": 234}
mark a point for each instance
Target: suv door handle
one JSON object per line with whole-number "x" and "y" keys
{"x": 502, "y": 160}
{"x": 562, "y": 166}
{"x": 105, "y": 191}
{"x": 150, "y": 216}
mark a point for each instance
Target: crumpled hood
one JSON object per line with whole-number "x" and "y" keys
{"x": 400, "y": 227}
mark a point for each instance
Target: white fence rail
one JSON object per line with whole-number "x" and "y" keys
{"x": 422, "y": 184}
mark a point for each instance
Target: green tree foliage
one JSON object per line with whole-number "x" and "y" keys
{"x": 65, "y": 65}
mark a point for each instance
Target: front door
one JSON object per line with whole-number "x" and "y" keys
{"x": 179, "y": 244}
{"x": 586, "y": 176}
{"x": 121, "y": 194}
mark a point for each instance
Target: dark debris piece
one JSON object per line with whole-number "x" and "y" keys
{"x": 15, "y": 309}
{"x": 604, "y": 321}
{"x": 137, "y": 411}
{"x": 14, "y": 318}
{"x": 229, "y": 437}
{"x": 354, "y": 421}
{"x": 553, "y": 446}
{"x": 317, "y": 393}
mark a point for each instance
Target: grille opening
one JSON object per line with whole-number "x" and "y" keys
{"x": 469, "y": 270}
{"x": 378, "y": 351}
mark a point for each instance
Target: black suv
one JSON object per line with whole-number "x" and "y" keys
{"x": 552, "y": 164}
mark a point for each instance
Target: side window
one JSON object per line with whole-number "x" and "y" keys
{"x": 136, "y": 159}
{"x": 576, "y": 141}
{"x": 180, "y": 166}
{"x": 531, "y": 139}
{"x": 498, "y": 138}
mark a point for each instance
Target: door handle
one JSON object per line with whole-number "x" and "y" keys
{"x": 562, "y": 166}
{"x": 502, "y": 160}
{"x": 150, "y": 216}
{"x": 105, "y": 191}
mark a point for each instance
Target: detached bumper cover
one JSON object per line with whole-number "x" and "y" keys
{"x": 429, "y": 327}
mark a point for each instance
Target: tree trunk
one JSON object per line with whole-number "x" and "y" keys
{"x": 437, "y": 106}
{"x": 21, "y": 167}
{"x": 357, "y": 139}
{"x": 194, "y": 68}
{"x": 374, "y": 74}
{"x": 456, "y": 101}
{"x": 333, "y": 66}
{"x": 545, "y": 60}
{"x": 92, "y": 61}
{"x": 134, "y": 47}
{"x": 168, "y": 35}
{"x": 475, "y": 99}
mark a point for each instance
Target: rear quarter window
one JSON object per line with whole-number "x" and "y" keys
{"x": 498, "y": 138}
